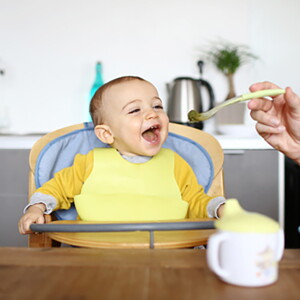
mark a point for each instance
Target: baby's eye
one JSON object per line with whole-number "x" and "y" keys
{"x": 134, "y": 111}
{"x": 158, "y": 106}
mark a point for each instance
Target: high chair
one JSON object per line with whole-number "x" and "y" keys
{"x": 56, "y": 150}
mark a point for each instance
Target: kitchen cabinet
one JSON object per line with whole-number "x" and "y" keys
{"x": 13, "y": 194}
{"x": 252, "y": 176}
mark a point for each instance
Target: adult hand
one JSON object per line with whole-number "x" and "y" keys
{"x": 278, "y": 121}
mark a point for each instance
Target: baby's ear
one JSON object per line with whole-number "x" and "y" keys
{"x": 104, "y": 134}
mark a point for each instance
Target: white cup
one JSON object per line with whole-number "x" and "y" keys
{"x": 245, "y": 259}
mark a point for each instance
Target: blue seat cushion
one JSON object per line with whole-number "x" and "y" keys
{"x": 60, "y": 153}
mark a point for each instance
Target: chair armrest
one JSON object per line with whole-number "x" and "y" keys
{"x": 42, "y": 240}
{"x": 48, "y": 218}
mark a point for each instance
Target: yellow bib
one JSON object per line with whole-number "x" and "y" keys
{"x": 118, "y": 190}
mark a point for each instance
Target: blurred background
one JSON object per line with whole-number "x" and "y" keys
{"x": 49, "y": 49}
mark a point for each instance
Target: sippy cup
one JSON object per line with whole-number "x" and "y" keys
{"x": 246, "y": 248}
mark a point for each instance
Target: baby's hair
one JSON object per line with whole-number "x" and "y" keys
{"x": 96, "y": 102}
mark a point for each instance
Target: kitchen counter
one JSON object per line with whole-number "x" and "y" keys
{"x": 236, "y": 142}
{"x": 18, "y": 141}
{"x": 233, "y": 142}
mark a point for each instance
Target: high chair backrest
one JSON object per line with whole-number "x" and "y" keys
{"x": 56, "y": 150}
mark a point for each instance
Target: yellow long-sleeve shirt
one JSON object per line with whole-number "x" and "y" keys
{"x": 68, "y": 183}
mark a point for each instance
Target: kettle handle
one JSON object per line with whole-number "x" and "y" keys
{"x": 210, "y": 90}
{"x": 168, "y": 86}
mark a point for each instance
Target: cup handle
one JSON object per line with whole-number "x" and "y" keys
{"x": 280, "y": 246}
{"x": 213, "y": 251}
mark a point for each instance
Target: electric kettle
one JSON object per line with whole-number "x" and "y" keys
{"x": 185, "y": 94}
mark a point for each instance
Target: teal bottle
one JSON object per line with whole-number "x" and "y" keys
{"x": 97, "y": 83}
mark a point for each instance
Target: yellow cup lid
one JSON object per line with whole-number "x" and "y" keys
{"x": 236, "y": 219}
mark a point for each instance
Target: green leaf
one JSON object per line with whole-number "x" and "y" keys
{"x": 228, "y": 57}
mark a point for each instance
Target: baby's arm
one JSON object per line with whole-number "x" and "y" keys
{"x": 34, "y": 214}
{"x": 215, "y": 207}
{"x": 200, "y": 204}
{"x": 57, "y": 193}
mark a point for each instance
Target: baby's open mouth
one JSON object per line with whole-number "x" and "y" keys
{"x": 152, "y": 134}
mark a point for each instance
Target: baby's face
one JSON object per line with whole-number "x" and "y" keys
{"x": 135, "y": 115}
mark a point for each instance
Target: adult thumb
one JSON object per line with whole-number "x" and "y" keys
{"x": 293, "y": 101}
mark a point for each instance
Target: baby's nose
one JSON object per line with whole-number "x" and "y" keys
{"x": 150, "y": 114}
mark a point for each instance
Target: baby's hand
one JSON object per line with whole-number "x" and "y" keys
{"x": 220, "y": 211}
{"x": 34, "y": 214}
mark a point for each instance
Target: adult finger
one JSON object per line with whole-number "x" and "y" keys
{"x": 264, "y": 118}
{"x": 260, "y": 104}
{"x": 265, "y": 85}
{"x": 264, "y": 130}
{"x": 293, "y": 101}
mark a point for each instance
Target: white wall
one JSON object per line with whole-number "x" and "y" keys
{"x": 49, "y": 49}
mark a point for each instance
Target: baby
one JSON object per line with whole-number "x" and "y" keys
{"x": 135, "y": 179}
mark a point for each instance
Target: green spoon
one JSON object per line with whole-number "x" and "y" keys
{"x": 197, "y": 117}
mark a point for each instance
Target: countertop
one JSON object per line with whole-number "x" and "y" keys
{"x": 234, "y": 142}
{"x": 227, "y": 141}
{"x": 18, "y": 141}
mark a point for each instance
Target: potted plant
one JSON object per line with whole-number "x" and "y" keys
{"x": 228, "y": 58}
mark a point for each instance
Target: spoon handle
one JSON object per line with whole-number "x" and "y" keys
{"x": 248, "y": 96}
{"x": 196, "y": 117}
{"x": 263, "y": 93}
